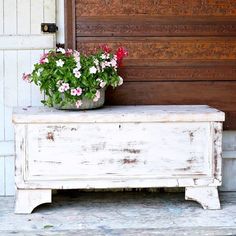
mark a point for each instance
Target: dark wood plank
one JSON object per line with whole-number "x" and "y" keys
{"x": 156, "y": 7}
{"x": 158, "y": 26}
{"x": 220, "y": 94}
{"x": 167, "y": 48}
{"x": 70, "y": 35}
{"x": 178, "y": 73}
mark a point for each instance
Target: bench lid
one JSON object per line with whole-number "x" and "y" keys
{"x": 169, "y": 113}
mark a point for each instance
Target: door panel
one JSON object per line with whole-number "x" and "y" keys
{"x": 167, "y": 40}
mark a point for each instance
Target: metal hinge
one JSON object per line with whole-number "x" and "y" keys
{"x": 49, "y": 28}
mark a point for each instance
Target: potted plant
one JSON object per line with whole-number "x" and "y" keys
{"x": 73, "y": 80}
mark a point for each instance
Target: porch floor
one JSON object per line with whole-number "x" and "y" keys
{"x": 120, "y": 213}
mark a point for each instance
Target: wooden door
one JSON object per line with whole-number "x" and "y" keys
{"x": 180, "y": 52}
{"x": 21, "y": 44}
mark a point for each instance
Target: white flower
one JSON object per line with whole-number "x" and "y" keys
{"x": 96, "y": 62}
{"x": 59, "y": 82}
{"x": 102, "y": 84}
{"x": 62, "y": 50}
{"x": 66, "y": 86}
{"x": 120, "y": 81}
{"x": 78, "y": 66}
{"x": 61, "y": 89}
{"x": 103, "y": 65}
{"x": 113, "y": 63}
{"x": 76, "y": 72}
{"x": 97, "y": 96}
{"x": 98, "y": 69}
{"x": 78, "y": 103}
{"x": 93, "y": 70}
{"x": 79, "y": 91}
{"x": 76, "y": 55}
{"x": 73, "y": 92}
{"x": 40, "y": 70}
{"x": 103, "y": 56}
{"x": 60, "y": 63}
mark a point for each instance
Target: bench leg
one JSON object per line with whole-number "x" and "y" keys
{"x": 27, "y": 199}
{"x": 207, "y": 196}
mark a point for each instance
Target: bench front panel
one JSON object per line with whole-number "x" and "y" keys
{"x": 116, "y": 150}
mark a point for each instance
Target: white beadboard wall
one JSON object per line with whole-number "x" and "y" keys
{"x": 21, "y": 44}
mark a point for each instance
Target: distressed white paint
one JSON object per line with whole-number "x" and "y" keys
{"x": 118, "y": 150}
{"x": 206, "y": 196}
{"x": 120, "y": 147}
{"x": 116, "y": 114}
{"x": 29, "y": 199}
{"x": 20, "y": 43}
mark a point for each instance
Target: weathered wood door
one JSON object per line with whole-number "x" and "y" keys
{"x": 180, "y": 52}
{"x": 21, "y": 44}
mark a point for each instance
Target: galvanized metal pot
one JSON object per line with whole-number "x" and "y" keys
{"x": 87, "y": 104}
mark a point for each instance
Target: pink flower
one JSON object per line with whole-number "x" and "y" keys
{"x": 97, "y": 96}
{"x": 44, "y": 59}
{"x": 26, "y": 77}
{"x": 66, "y": 86}
{"x": 78, "y": 103}
{"x": 76, "y": 55}
{"x": 79, "y": 91}
{"x": 73, "y": 92}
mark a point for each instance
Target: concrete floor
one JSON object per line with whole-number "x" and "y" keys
{"x": 120, "y": 213}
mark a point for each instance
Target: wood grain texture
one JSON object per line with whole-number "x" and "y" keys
{"x": 167, "y": 48}
{"x": 138, "y": 26}
{"x": 178, "y": 72}
{"x": 156, "y": 8}
{"x": 168, "y": 41}
{"x": 70, "y": 40}
{"x": 173, "y": 93}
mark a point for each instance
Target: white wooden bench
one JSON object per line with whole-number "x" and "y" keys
{"x": 118, "y": 147}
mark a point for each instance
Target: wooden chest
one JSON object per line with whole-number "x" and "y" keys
{"x": 118, "y": 147}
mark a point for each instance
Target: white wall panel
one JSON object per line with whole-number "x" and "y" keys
{"x": 10, "y": 93}
{"x": 10, "y": 20}
{"x": 49, "y": 11}
{"x": 23, "y": 88}
{"x": 23, "y": 17}
{"x": 37, "y": 13}
{"x": 1, "y": 17}
{"x": 9, "y": 176}
{"x": 2, "y": 110}
{"x": 21, "y": 44}
{"x": 2, "y": 176}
